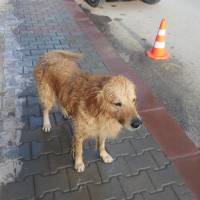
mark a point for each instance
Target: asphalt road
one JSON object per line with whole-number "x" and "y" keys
{"x": 131, "y": 27}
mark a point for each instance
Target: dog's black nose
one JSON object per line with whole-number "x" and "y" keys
{"x": 136, "y": 123}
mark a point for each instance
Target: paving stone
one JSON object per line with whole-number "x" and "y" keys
{"x": 137, "y": 197}
{"x": 89, "y": 143}
{"x": 136, "y": 184}
{"x": 57, "y": 162}
{"x": 75, "y": 195}
{"x": 18, "y": 190}
{"x": 25, "y": 122}
{"x": 90, "y": 175}
{"x": 166, "y": 194}
{"x": 32, "y": 100}
{"x": 38, "y": 135}
{"x": 125, "y": 134}
{"x": 59, "y": 118}
{"x": 38, "y": 52}
{"x": 90, "y": 155}
{"x": 33, "y": 167}
{"x": 102, "y": 71}
{"x": 8, "y": 104}
{"x": 116, "y": 168}
{"x": 35, "y": 122}
{"x": 120, "y": 149}
{"x": 48, "y": 196}
{"x": 110, "y": 190}
{"x": 182, "y": 192}
{"x": 31, "y": 110}
{"x": 137, "y": 163}
{"x": 164, "y": 177}
{"x": 53, "y": 146}
{"x": 22, "y": 151}
{"x": 160, "y": 159}
{"x": 44, "y": 184}
{"x": 145, "y": 144}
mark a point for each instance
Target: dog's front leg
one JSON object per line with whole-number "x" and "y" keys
{"x": 78, "y": 145}
{"x": 46, "y": 120}
{"x": 106, "y": 157}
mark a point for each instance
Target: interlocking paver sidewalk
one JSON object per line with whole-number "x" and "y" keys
{"x": 42, "y": 166}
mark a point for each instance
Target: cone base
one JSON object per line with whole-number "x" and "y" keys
{"x": 149, "y": 54}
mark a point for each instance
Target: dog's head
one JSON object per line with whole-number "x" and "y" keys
{"x": 117, "y": 99}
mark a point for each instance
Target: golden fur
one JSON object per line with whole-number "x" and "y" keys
{"x": 99, "y": 105}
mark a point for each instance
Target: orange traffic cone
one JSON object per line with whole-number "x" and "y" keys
{"x": 158, "y": 51}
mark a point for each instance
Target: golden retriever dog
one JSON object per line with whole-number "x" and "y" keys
{"x": 100, "y": 106}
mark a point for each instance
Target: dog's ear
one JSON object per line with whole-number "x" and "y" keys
{"x": 96, "y": 102}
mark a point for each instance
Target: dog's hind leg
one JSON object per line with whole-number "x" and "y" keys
{"x": 47, "y": 98}
{"x": 106, "y": 157}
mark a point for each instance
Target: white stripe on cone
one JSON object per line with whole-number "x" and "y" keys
{"x": 162, "y": 32}
{"x": 159, "y": 45}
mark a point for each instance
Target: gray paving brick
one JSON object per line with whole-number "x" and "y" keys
{"x": 38, "y": 148}
{"x": 164, "y": 177}
{"x": 182, "y": 192}
{"x": 91, "y": 155}
{"x": 90, "y": 175}
{"x": 25, "y": 122}
{"x": 38, "y": 135}
{"x": 35, "y": 122}
{"x": 57, "y": 162}
{"x": 145, "y": 144}
{"x": 31, "y": 110}
{"x": 18, "y": 190}
{"x": 75, "y": 195}
{"x": 102, "y": 70}
{"x": 120, "y": 149}
{"x": 28, "y": 91}
{"x": 116, "y": 168}
{"x": 136, "y": 184}
{"x": 23, "y": 151}
{"x": 44, "y": 46}
{"x": 33, "y": 167}
{"x": 8, "y": 104}
{"x": 47, "y": 196}
{"x": 166, "y": 194}
{"x": 89, "y": 144}
{"x": 137, "y": 197}
{"x": 59, "y": 118}
{"x": 44, "y": 184}
{"x": 160, "y": 159}
{"x": 125, "y": 135}
{"x": 38, "y": 52}
{"x": 32, "y": 101}
{"x": 110, "y": 190}
{"x": 137, "y": 163}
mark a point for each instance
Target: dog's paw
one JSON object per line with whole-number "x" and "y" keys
{"x": 46, "y": 128}
{"x": 107, "y": 158}
{"x": 79, "y": 167}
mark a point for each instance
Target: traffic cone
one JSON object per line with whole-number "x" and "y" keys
{"x": 158, "y": 51}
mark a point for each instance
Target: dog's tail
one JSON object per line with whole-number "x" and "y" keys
{"x": 69, "y": 54}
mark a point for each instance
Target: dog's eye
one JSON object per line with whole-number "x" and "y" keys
{"x": 134, "y": 100}
{"x": 118, "y": 104}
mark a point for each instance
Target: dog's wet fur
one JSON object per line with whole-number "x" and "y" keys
{"x": 100, "y": 106}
